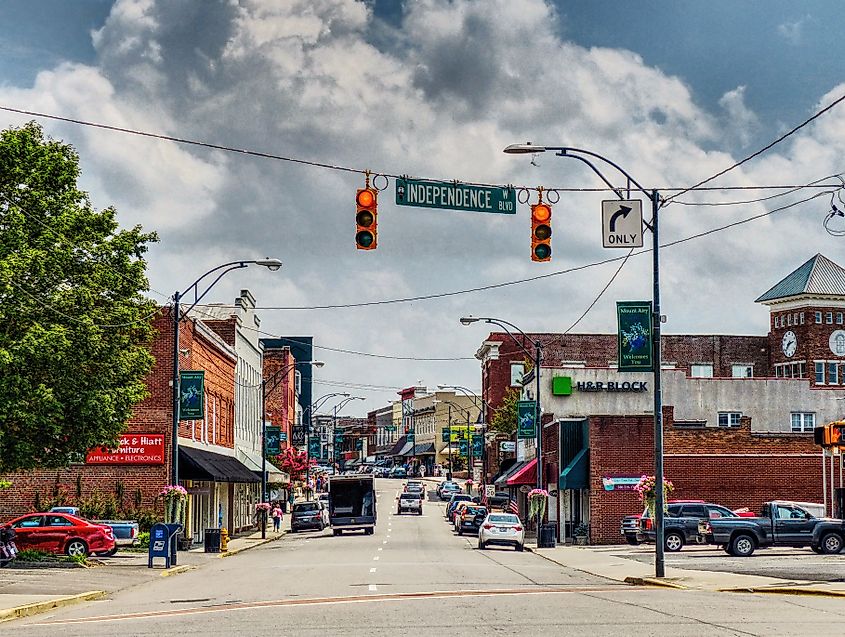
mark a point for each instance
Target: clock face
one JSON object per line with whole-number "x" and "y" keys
{"x": 789, "y": 343}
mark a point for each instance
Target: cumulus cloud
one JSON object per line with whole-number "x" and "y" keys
{"x": 452, "y": 85}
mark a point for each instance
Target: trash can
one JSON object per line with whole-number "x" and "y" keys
{"x": 548, "y": 536}
{"x": 212, "y": 540}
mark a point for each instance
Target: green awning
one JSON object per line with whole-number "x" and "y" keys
{"x": 576, "y": 475}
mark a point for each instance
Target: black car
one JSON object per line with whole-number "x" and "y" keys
{"x": 308, "y": 515}
{"x": 472, "y": 518}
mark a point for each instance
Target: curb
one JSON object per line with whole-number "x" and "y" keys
{"x": 785, "y": 590}
{"x": 654, "y": 581}
{"x": 8, "y": 614}
{"x": 177, "y": 569}
{"x": 252, "y": 546}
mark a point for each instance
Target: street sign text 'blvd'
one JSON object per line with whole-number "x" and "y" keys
{"x": 455, "y": 196}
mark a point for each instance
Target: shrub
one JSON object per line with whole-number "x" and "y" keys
{"x": 144, "y": 539}
{"x": 33, "y": 555}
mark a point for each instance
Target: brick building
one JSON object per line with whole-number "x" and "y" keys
{"x": 739, "y": 411}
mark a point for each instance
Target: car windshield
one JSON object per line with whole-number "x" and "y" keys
{"x": 503, "y": 519}
{"x": 409, "y": 496}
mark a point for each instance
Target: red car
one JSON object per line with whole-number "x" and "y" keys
{"x": 61, "y": 533}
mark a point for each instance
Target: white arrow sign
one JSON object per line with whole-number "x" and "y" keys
{"x": 622, "y": 223}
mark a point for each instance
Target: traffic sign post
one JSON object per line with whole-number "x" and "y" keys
{"x": 622, "y": 223}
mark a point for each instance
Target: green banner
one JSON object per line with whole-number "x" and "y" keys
{"x": 635, "y": 335}
{"x": 359, "y": 444}
{"x": 191, "y": 395}
{"x": 477, "y": 445}
{"x": 444, "y": 435}
{"x": 463, "y": 448}
{"x": 314, "y": 447}
{"x": 272, "y": 438}
{"x": 526, "y": 416}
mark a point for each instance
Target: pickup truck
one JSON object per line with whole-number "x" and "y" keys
{"x": 125, "y": 531}
{"x": 681, "y": 523}
{"x": 781, "y": 523}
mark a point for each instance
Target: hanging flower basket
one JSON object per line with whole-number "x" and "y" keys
{"x": 175, "y": 497}
{"x": 537, "y": 502}
{"x": 647, "y": 490}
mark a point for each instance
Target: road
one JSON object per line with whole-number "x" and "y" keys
{"x": 414, "y": 577}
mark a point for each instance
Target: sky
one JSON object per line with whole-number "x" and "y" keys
{"x": 673, "y": 92}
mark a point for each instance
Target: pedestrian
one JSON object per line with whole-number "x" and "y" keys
{"x": 422, "y": 471}
{"x": 277, "y": 517}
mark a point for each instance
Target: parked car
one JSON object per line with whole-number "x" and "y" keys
{"x": 502, "y": 498}
{"x": 453, "y": 502}
{"x": 470, "y": 519}
{"x": 448, "y": 489}
{"x": 781, "y": 523}
{"x": 502, "y": 529}
{"x": 680, "y": 523}
{"x": 309, "y": 515}
{"x": 630, "y": 529}
{"x": 411, "y": 502}
{"x": 398, "y": 472}
{"x": 61, "y": 533}
{"x": 415, "y": 485}
{"x": 458, "y": 511}
{"x": 125, "y": 532}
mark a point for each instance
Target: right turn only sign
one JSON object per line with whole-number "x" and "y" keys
{"x": 622, "y": 223}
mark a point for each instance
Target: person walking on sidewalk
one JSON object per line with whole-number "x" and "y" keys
{"x": 277, "y": 517}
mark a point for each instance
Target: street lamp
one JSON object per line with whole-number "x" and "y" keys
{"x": 307, "y": 424}
{"x": 538, "y": 412}
{"x": 482, "y": 405}
{"x": 275, "y": 379}
{"x": 585, "y": 156}
{"x": 267, "y": 262}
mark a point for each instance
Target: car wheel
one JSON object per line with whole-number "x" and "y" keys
{"x": 480, "y": 545}
{"x": 336, "y": 531}
{"x": 831, "y": 543}
{"x": 77, "y": 547}
{"x": 817, "y": 549}
{"x": 419, "y": 512}
{"x": 632, "y": 540}
{"x": 460, "y": 531}
{"x": 321, "y": 527}
{"x": 673, "y": 542}
{"x": 108, "y": 553}
{"x": 742, "y": 545}
{"x": 519, "y": 548}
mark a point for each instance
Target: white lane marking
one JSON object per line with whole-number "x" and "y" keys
{"x": 385, "y": 542}
{"x": 380, "y": 549}
{"x": 373, "y": 587}
{"x": 373, "y": 569}
{"x": 375, "y": 559}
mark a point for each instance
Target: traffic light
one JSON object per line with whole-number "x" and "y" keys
{"x": 830, "y": 435}
{"x": 366, "y": 219}
{"x": 541, "y": 232}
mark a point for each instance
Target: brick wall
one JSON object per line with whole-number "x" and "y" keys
{"x": 812, "y": 339}
{"x": 280, "y": 402}
{"x": 733, "y": 467}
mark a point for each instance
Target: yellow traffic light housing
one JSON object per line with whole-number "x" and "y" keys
{"x": 366, "y": 218}
{"x": 541, "y": 232}
{"x": 830, "y": 435}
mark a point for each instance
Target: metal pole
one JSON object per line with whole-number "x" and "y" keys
{"x": 264, "y": 455}
{"x": 659, "y": 566}
{"x": 174, "y": 439}
{"x": 307, "y": 460}
{"x": 824, "y": 484}
{"x": 470, "y": 468}
{"x": 449, "y": 475}
{"x": 539, "y": 423}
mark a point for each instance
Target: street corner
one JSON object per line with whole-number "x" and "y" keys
{"x": 655, "y": 581}
{"x": 176, "y": 570}
{"x": 16, "y": 606}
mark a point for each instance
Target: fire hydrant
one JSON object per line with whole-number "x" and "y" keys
{"x": 224, "y": 539}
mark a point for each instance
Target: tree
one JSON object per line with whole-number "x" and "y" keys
{"x": 293, "y": 462}
{"x": 504, "y": 418}
{"x": 75, "y": 327}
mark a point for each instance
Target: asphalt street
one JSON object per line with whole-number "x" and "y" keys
{"x": 415, "y": 577}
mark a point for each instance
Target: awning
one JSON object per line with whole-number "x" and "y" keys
{"x": 576, "y": 475}
{"x": 405, "y": 450}
{"x": 253, "y": 462}
{"x": 397, "y": 448}
{"x": 502, "y": 480}
{"x": 424, "y": 449}
{"x": 199, "y": 464}
{"x": 505, "y": 467}
{"x": 527, "y": 474}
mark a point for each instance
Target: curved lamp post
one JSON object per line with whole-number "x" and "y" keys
{"x": 587, "y": 157}
{"x": 482, "y": 405}
{"x": 538, "y": 425}
{"x": 220, "y": 270}
{"x": 307, "y": 424}
{"x": 335, "y": 409}
{"x": 469, "y": 438}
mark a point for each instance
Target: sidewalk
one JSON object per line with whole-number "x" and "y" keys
{"x": 602, "y": 564}
{"x": 25, "y": 592}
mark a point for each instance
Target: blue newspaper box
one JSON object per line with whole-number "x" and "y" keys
{"x": 163, "y": 543}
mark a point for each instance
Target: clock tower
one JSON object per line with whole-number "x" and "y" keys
{"x": 807, "y": 323}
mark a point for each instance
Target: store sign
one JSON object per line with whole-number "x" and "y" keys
{"x": 272, "y": 440}
{"x": 620, "y": 483}
{"x": 634, "y": 333}
{"x": 191, "y": 395}
{"x": 298, "y": 436}
{"x": 563, "y": 386}
{"x": 507, "y": 446}
{"x": 132, "y": 449}
{"x": 526, "y": 415}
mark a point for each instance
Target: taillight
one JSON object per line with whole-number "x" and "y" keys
{"x": 648, "y": 524}
{"x": 134, "y": 532}
{"x": 517, "y": 528}
{"x": 488, "y": 526}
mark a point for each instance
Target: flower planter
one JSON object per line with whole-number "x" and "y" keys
{"x": 581, "y": 540}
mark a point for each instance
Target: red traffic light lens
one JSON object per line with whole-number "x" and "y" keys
{"x": 541, "y": 212}
{"x": 365, "y": 218}
{"x": 364, "y": 238}
{"x": 366, "y": 198}
{"x": 542, "y": 252}
{"x": 542, "y": 232}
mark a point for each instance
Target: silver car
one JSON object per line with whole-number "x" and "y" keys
{"x": 501, "y": 528}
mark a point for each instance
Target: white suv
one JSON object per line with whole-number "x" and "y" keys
{"x": 409, "y": 502}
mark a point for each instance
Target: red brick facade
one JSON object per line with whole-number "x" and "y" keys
{"x": 280, "y": 400}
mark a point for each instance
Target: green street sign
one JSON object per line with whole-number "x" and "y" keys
{"x": 191, "y": 395}
{"x": 390, "y": 427}
{"x": 526, "y": 416}
{"x": 410, "y": 437}
{"x": 272, "y": 439}
{"x": 455, "y": 196}
{"x": 635, "y": 335}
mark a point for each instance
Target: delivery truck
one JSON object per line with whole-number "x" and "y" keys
{"x": 352, "y": 503}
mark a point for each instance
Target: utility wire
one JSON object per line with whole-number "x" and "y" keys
{"x": 762, "y": 150}
{"x": 760, "y": 199}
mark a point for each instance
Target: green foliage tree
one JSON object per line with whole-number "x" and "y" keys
{"x": 504, "y": 418}
{"x": 74, "y": 325}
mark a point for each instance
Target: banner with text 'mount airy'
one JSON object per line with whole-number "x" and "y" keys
{"x": 635, "y": 334}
